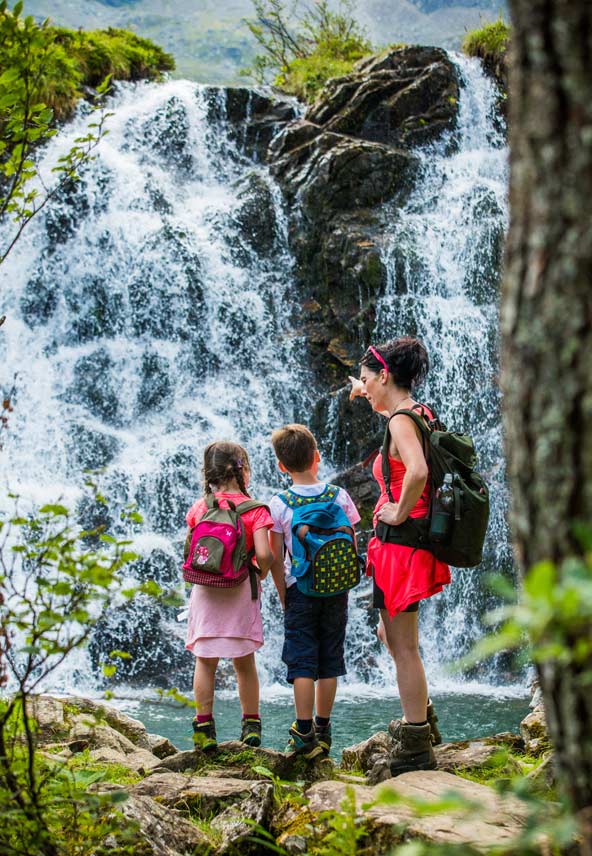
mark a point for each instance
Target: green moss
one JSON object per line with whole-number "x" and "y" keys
{"x": 507, "y": 765}
{"x": 489, "y": 43}
{"x": 74, "y": 59}
{"x": 116, "y": 773}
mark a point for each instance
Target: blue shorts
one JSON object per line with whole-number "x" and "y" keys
{"x": 314, "y": 635}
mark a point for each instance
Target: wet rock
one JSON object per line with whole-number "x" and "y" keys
{"x": 167, "y": 130}
{"x": 161, "y": 746}
{"x": 237, "y": 825}
{"x": 360, "y": 756}
{"x": 165, "y": 495}
{"x": 39, "y": 300}
{"x": 155, "y": 383}
{"x": 89, "y": 449}
{"x": 202, "y": 795}
{"x": 252, "y": 115}
{"x": 363, "y": 488}
{"x": 166, "y": 298}
{"x": 65, "y": 212}
{"x": 93, "y": 386}
{"x": 464, "y": 755}
{"x": 144, "y": 629}
{"x": 140, "y": 761}
{"x": 255, "y": 218}
{"x": 94, "y": 517}
{"x": 158, "y": 566}
{"x": 350, "y": 430}
{"x": 533, "y": 730}
{"x": 496, "y": 821}
{"x": 95, "y": 309}
{"x": 402, "y": 97}
{"x": 164, "y": 831}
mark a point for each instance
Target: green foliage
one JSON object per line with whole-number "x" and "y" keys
{"x": 54, "y": 587}
{"x": 305, "y": 45}
{"x": 345, "y": 827}
{"x": 490, "y": 42}
{"x": 553, "y": 613}
{"x": 116, "y": 773}
{"x": 43, "y": 70}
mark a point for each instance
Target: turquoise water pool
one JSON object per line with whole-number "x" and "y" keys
{"x": 462, "y": 717}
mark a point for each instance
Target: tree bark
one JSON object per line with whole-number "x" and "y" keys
{"x": 547, "y": 327}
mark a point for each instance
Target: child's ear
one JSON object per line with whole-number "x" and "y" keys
{"x": 281, "y": 467}
{"x": 317, "y": 457}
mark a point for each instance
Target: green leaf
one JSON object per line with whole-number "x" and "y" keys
{"x": 54, "y": 509}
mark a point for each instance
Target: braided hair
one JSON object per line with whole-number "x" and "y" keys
{"x": 224, "y": 461}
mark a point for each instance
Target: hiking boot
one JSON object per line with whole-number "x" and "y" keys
{"x": 306, "y": 745}
{"x": 432, "y": 719}
{"x": 204, "y": 735}
{"x": 412, "y": 748}
{"x": 323, "y": 733}
{"x": 251, "y": 731}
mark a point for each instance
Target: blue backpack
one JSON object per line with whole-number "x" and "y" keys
{"x": 324, "y": 557}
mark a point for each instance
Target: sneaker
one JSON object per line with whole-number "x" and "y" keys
{"x": 306, "y": 745}
{"x": 204, "y": 735}
{"x": 323, "y": 733}
{"x": 251, "y": 732}
{"x": 432, "y": 718}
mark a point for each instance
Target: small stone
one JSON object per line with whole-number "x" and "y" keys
{"x": 360, "y": 756}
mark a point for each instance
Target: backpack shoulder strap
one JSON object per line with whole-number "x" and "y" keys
{"x": 249, "y": 505}
{"x": 419, "y": 418}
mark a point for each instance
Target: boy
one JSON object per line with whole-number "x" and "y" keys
{"x": 314, "y": 626}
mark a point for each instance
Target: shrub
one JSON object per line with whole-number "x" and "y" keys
{"x": 489, "y": 43}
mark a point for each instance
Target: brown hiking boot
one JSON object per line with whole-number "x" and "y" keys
{"x": 412, "y": 748}
{"x": 432, "y": 719}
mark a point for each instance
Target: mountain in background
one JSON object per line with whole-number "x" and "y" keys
{"x": 211, "y": 43}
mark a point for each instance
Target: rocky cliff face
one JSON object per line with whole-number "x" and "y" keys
{"x": 344, "y": 167}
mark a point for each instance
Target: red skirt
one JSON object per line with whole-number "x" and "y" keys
{"x": 405, "y": 574}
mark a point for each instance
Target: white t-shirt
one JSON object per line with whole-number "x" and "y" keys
{"x": 282, "y": 516}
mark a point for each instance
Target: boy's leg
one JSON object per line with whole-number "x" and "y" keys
{"x": 332, "y": 626}
{"x": 325, "y": 696}
{"x": 248, "y": 684}
{"x": 304, "y": 696}
{"x": 204, "y": 678}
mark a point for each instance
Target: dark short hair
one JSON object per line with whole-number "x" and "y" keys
{"x": 295, "y": 447}
{"x": 406, "y": 358}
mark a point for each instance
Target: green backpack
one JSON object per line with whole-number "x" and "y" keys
{"x": 446, "y": 452}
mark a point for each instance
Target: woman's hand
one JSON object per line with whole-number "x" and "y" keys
{"x": 357, "y": 388}
{"x": 389, "y": 513}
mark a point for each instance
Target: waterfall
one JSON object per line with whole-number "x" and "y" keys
{"x": 443, "y": 256}
{"x": 148, "y": 315}
{"x": 149, "y": 312}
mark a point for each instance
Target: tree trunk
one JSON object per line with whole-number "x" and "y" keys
{"x": 547, "y": 327}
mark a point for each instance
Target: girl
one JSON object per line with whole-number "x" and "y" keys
{"x": 403, "y": 576}
{"x": 226, "y": 622}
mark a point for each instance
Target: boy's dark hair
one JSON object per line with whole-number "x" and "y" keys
{"x": 406, "y": 358}
{"x": 224, "y": 461}
{"x": 295, "y": 447}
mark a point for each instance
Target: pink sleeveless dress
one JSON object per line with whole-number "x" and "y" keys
{"x": 226, "y": 622}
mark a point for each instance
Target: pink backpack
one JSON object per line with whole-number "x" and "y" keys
{"x": 217, "y": 552}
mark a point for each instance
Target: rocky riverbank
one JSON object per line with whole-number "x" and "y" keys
{"x": 235, "y": 801}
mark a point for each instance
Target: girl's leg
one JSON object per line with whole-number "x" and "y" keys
{"x": 248, "y": 683}
{"x": 204, "y": 679}
{"x": 401, "y": 634}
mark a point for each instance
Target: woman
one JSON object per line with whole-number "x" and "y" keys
{"x": 402, "y": 576}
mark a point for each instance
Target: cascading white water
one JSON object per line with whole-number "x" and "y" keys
{"x": 444, "y": 262}
{"x": 147, "y": 317}
{"x": 149, "y": 313}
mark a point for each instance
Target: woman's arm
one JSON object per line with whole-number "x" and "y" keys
{"x": 262, "y": 550}
{"x": 276, "y": 540}
{"x": 408, "y": 447}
